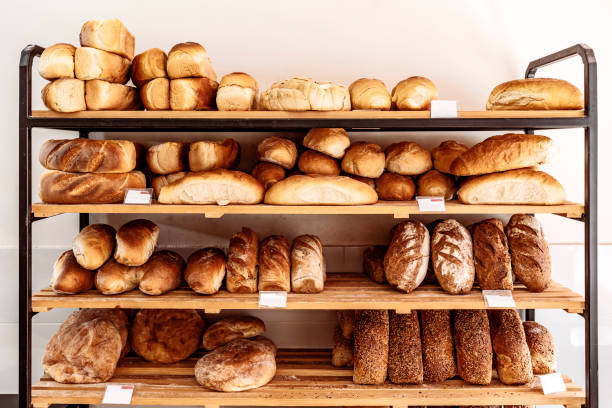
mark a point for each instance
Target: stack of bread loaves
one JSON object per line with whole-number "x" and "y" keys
{"x": 304, "y": 94}
{"x": 93, "y": 76}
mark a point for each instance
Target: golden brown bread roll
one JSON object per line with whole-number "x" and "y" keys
{"x": 414, "y": 93}
{"x": 491, "y": 256}
{"x": 371, "y": 347}
{"x": 274, "y": 264}
{"x": 242, "y": 262}
{"x": 268, "y": 173}
{"x": 64, "y": 95}
{"x": 155, "y": 94}
{"x": 189, "y": 59}
{"x": 434, "y": 183}
{"x": 162, "y": 273}
{"x": 187, "y": 94}
{"x": 205, "y": 270}
{"x": 302, "y": 94}
{"x": 407, "y": 158}
{"x": 57, "y": 61}
{"x": 346, "y": 323}
{"x": 277, "y": 150}
{"x": 452, "y": 257}
{"x": 136, "y": 241}
{"x": 168, "y": 157}
{"x": 342, "y": 352}
{"x": 69, "y": 277}
{"x": 312, "y": 162}
{"x": 366, "y": 180}
{"x": 438, "y": 346}
{"x": 88, "y": 156}
{"x": 541, "y": 347}
{"x": 405, "y": 358}
{"x": 407, "y": 257}
{"x": 308, "y": 272}
{"x": 371, "y": 94}
{"x": 163, "y": 180}
{"x": 237, "y": 92}
{"x": 108, "y": 35}
{"x": 91, "y": 63}
{"x": 395, "y": 187}
{"x": 364, "y": 159}
{"x": 102, "y": 95}
{"x": 214, "y": 154}
{"x": 94, "y": 245}
{"x": 473, "y": 346}
{"x": 510, "y": 346}
{"x": 231, "y": 328}
{"x": 149, "y": 65}
{"x": 535, "y": 94}
{"x": 114, "y": 278}
{"x": 331, "y": 141}
{"x": 373, "y": 263}
{"x": 445, "y": 154}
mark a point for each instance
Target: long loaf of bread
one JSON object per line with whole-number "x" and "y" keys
{"x": 491, "y": 256}
{"x": 473, "y": 345}
{"x": 371, "y": 347}
{"x": 510, "y": 346}
{"x": 407, "y": 256}
{"x": 88, "y": 156}
{"x": 405, "y": 358}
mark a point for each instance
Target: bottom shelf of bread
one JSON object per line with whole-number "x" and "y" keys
{"x": 303, "y": 378}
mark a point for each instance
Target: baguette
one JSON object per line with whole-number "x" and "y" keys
{"x": 535, "y": 94}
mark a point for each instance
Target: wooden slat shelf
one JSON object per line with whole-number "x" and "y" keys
{"x": 343, "y": 291}
{"x": 303, "y": 378}
{"x": 399, "y": 209}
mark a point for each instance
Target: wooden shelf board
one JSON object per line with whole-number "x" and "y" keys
{"x": 303, "y": 378}
{"x": 343, "y": 291}
{"x": 399, "y": 209}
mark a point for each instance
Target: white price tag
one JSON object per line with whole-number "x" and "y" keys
{"x": 552, "y": 383}
{"x": 431, "y": 204}
{"x": 118, "y": 394}
{"x": 138, "y": 196}
{"x": 272, "y": 299}
{"x": 443, "y": 109}
{"x": 501, "y": 299}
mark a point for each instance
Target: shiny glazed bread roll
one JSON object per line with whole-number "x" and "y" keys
{"x": 102, "y": 95}
{"x": 162, "y": 273}
{"x": 149, "y": 65}
{"x": 371, "y": 94}
{"x": 274, "y": 264}
{"x": 214, "y": 154}
{"x": 94, "y": 245}
{"x": 277, "y": 150}
{"x": 237, "y": 92}
{"x": 64, "y": 95}
{"x": 189, "y": 59}
{"x": 88, "y": 156}
{"x": 268, "y": 173}
{"x": 188, "y": 94}
{"x": 445, "y": 154}
{"x": 331, "y": 141}
{"x": 205, "y": 270}
{"x": 113, "y": 278}
{"x": 364, "y": 159}
{"x": 91, "y": 63}
{"x": 136, "y": 241}
{"x": 57, "y": 61}
{"x": 434, "y": 183}
{"x": 308, "y": 273}
{"x": 535, "y": 94}
{"x": 231, "y": 328}
{"x": 407, "y": 158}
{"x": 312, "y": 162}
{"x": 69, "y": 277}
{"x": 168, "y": 157}
{"x": 242, "y": 262}
{"x": 414, "y": 93}
{"x": 108, "y": 35}
{"x": 155, "y": 94}
{"x": 395, "y": 187}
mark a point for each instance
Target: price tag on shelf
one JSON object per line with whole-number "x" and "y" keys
{"x": 443, "y": 109}
{"x": 142, "y": 196}
{"x": 118, "y": 394}
{"x": 552, "y": 383}
{"x": 276, "y": 299}
{"x": 431, "y": 204}
{"x": 499, "y": 299}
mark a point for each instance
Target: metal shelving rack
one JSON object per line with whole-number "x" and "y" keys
{"x": 209, "y": 121}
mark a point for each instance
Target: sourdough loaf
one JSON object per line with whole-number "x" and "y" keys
{"x": 452, "y": 257}
{"x": 88, "y": 156}
{"x": 407, "y": 256}
{"x": 242, "y": 262}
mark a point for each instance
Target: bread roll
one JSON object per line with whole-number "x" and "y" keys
{"x": 237, "y": 92}
{"x": 162, "y": 273}
{"x": 274, "y": 264}
{"x": 108, "y": 35}
{"x": 238, "y": 366}
{"x": 57, "y": 61}
{"x": 445, "y": 154}
{"x": 88, "y": 156}
{"x": 405, "y": 358}
{"x": 408, "y": 255}
{"x": 395, "y": 187}
{"x": 64, "y": 95}
{"x": 166, "y": 336}
{"x": 373, "y": 263}
{"x": 434, "y": 183}
{"x": 346, "y": 322}
{"x": 316, "y": 189}
{"x": 205, "y": 270}
{"x": 213, "y": 187}
{"x": 102, "y": 95}
{"x": 94, "y": 245}
{"x": 510, "y": 346}
{"x": 312, "y": 162}
{"x": 114, "y": 278}
{"x": 342, "y": 352}
{"x": 168, "y": 157}
{"x": 242, "y": 262}
{"x": 69, "y": 277}
{"x": 491, "y": 256}
{"x": 268, "y": 173}
{"x": 541, "y": 347}
{"x": 501, "y": 153}
{"x": 438, "y": 346}
{"x": 308, "y": 272}
{"x": 187, "y": 94}
{"x": 371, "y": 347}
{"x": 414, "y": 93}
{"x": 366, "y": 180}
{"x": 115, "y": 315}
{"x": 535, "y": 94}
{"x": 91, "y": 63}
{"x": 277, "y": 150}
{"x": 231, "y": 328}
{"x": 214, "y": 154}
{"x": 529, "y": 252}
{"x": 161, "y": 181}
{"x": 149, "y": 65}
{"x": 331, "y": 141}
{"x": 473, "y": 345}
{"x": 302, "y": 94}
{"x": 364, "y": 159}
{"x": 189, "y": 59}
{"x": 452, "y": 257}
{"x": 136, "y": 241}
{"x": 370, "y": 94}
{"x": 155, "y": 94}
{"x": 58, "y": 187}
{"x": 407, "y": 158}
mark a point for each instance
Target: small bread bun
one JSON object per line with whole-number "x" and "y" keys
{"x": 331, "y": 141}
{"x": 268, "y": 173}
{"x": 445, "y": 154}
{"x": 369, "y": 94}
{"x": 407, "y": 158}
{"x": 149, "y": 65}
{"x": 395, "y": 187}
{"x": 414, "y": 93}
{"x": 434, "y": 183}
{"x": 312, "y": 162}
{"x": 237, "y": 92}
{"x": 277, "y": 150}
{"x": 364, "y": 159}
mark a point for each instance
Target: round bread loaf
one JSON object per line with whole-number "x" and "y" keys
{"x": 113, "y": 278}
{"x": 369, "y": 94}
{"x": 373, "y": 263}
{"x": 445, "y": 154}
{"x": 434, "y": 183}
{"x": 69, "y": 277}
{"x": 346, "y": 322}
{"x": 168, "y": 157}
{"x": 541, "y": 347}
{"x": 364, "y": 159}
{"x": 268, "y": 173}
{"x": 205, "y": 270}
{"x": 237, "y": 92}
{"x": 218, "y": 154}
{"x": 149, "y": 65}
{"x": 189, "y": 59}
{"x": 163, "y": 272}
{"x": 331, "y": 141}
{"x": 452, "y": 257}
{"x": 93, "y": 245}
{"x": 312, "y": 162}
{"x": 231, "y": 328}
{"x": 414, "y": 93}
{"x": 57, "y": 61}
{"x": 136, "y": 241}
{"x": 407, "y": 158}
{"x": 155, "y": 94}
{"x": 395, "y": 187}
{"x": 277, "y": 150}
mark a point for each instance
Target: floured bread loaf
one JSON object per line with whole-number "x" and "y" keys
{"x": 407, "y": 257}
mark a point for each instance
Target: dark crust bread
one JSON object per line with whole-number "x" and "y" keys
{"x": 342, "y": 353}
{"x": 438, "y": 345}
{"x": 373, "y": 263}
{"x": 473, "y": 345}
{"x": 405, "y": 357}
{"x": 371, "y": 347}
{"x": 242, "y": 262}
{"x": 510, "y": 345}
{"x": 541, "y": 347}
{"x": 491, "y": 256}
{"x": 346, "y": 321}
{"x": 231, "y": 328}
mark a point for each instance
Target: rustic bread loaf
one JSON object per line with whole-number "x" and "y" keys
{"x": 535, "y": 94}
{"x": 473, "y": 346}
{"x": 302, "y": 94}
{"x": 407, "y": 158}
{"x": 114, "y": 278}
{"x": 136, "y": 241}
{"x": 237, "y": 92}
{"x": 342, "y": 352}
{"x": 308, "y": 272}
{"x": 268, "y": 173}
{"x": 373, "y": 263}
{"x": 369, "y": 94}
{"x": 163, "y": 180}
{"x": 510, "y": 346}
{"x": 149, "y": 65}
{"x": 370, "y": 346}
{"x": 91, "y": 63}
{"x": 266, "y": 342}
{"x": 395, "y": 187}
{"x": 311, "y": 162}
{"x": 167, "y": 157}
{"x": 57, "y": 61}
{"x": 277, "y": 150}
{"x": 189, "y": 59}
{"x": 407, "y": 256}
{"x": 94, "y": 245}
{"x": 452, "y": 257}
{"x": 445, "y": 154}
{"x": 330, "y": 141}
{"x": 231, "y": 328}
{"x": 274, "y": 264}
{"x": 242, "y": 262}
{"x": 438, "y": 345}
{"x": 491, "y": 256}
{"x": 414, "y": 93}
{"x": 405, "y": 358}
{"x": 115, "y": 315}
{"x": 108, "y": 35}
{"x": 214, "y": 154}
{"x": 205, "y": 270}
{"x": 88, "y": 156}
{"x": 155, "y": 94}
{"x": 434, "y": 183}
{"x": 64, "y": 95}
{"x": 541, "y": 347}
{"x": 162, "y": 273}
{"x": 364, "y": 159}
{"x": 69, "y": 277}
{"x": 346, "y": 322}
{"x": 187, "y": 94}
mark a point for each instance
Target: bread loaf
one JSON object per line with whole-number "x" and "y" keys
{"x": 407, "y": 256}
{"x": 149, "y": 65}
{"x": 266, "y": 342}
{"x": 434, "y": 183}
{"x": 231, "y": 328}
{"x": 371, "y": 347}
{"x": 168, "y": 157}
{"x": 65, "y": 95}
{"x": 438, "y": 346}
{"x": 445, "y": 154}
{"x": 452, "y": 257}
{"x": 108, "y": 35}
{"x": 407, "y": 158}
{"x": 303, "y": 94}
{"x": 58, "y": 187}
{"x": 331, "y": 141}
{"x": 88, "y": 156}
{"x": 369, "y": 94}
{"x": 57, "y": 61}
{"x": 102, "y": 95}
{"x": 366, "y": 180}
{"x": 69, "y": 277}
{"x": 312, "y": 162}
{"x": 162, "y": 273}
{"x": 395, "y": 187}
{"x": 136, "y": 241}
{"x": 274, "y": 264}
{"x": 268, "y": 173}
{"x": 405, "y": 358}
{"x": 541, "y": 347}
{"x": 187, "y": 94}
{"x": 510, "y": 346}
{"x": 535, "y": 94}
{"x": 308, "y": 272}
{"x": 214, "y": 154}
{"x": 342, "y": 352}
{"x": 205, "y": 270}
{"x": 155, "y": 94}
{"x": 414, "y": 93}
{"x": 237, "y": 92}
{"x": 94, "y": 245}
{"x": 161, "y": 181}
{"x": 213, "y": 187}
{"x": 529, "y": 252}
{"x": 491, "y": 256}
{"x": 189, "y": 59}
{"x": 277, "y": 150}
{"x": 242, "y": 262}
{"x": 114, "y": 278}
{"x": 364, "y": 159}
{"x": 346, "y": 322}
{"x": 91, "y": 63}
{"x": 115, "y": 315}
{"x": 473, "y": 345}
{"x": 373, "y": 263}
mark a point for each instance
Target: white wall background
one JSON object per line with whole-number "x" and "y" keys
{"x": 465, "y": 47}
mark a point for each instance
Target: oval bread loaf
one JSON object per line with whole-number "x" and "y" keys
{"x": 88, "y": 156}
{"x": 274, "y": 264}
{"x": 93, "y": 245}
{"x": 242, "y": 262}
{"x": 163, "y": 272}
{"x": 541, "y": 347}
{"x": 69, "y": 277}
{"x": 473, "y": 346}
{"x": 308, "y": 273}
{"x": 205, "y": 270}
{"x": 491, "y": 257}
{"x": 231, "y": 328}
{"x": 407, "y": 256}
{"x": 371, "y": 347}
{"x": 452, "y": 257}
{"x": 136, "y": 241}
{"x": 535, "y": 94}
{"x": 510, "y": 346}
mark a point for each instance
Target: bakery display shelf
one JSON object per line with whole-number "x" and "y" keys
{"x": 399, "y": 209}
{"x": 342, "y": 291}
{"x": 303, "y": 378}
